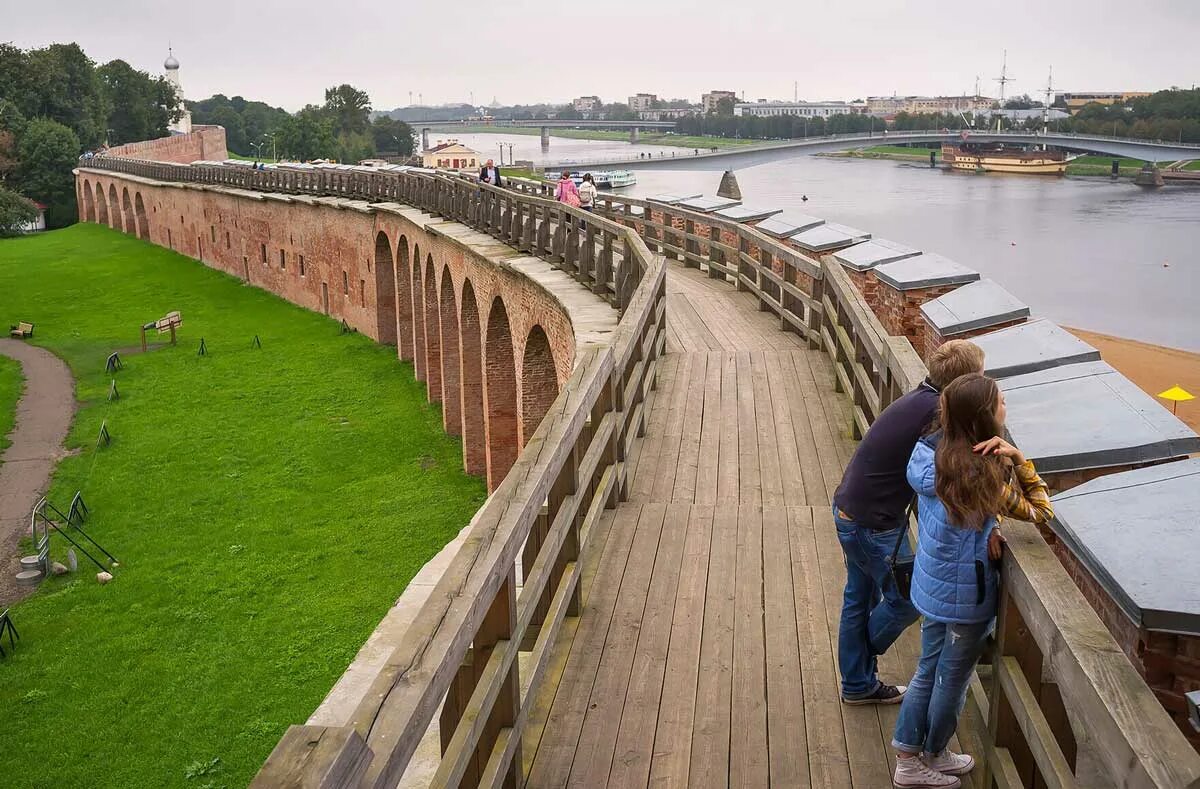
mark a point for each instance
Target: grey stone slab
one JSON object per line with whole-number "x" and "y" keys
{"x": 1084, "y": 416}
{"x": 787, "y": 223}
{"x": 924, "y": 271}
{"x": 707, "y": 203}
{"x": 828, "y": 236}
{"x": 975, "y": 305}
{"x": 671, "y": 199}
{"x": 746, "y": 213}
{"x": 1032, "y": 346}
{"x": 875, "y": 252}
{"x": 1136, "y": 533}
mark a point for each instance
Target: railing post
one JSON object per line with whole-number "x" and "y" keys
{"x": 715, "y": 254}
{"x": 815, "y": 311}
{"x": 498, "y": 626}
{"x": 691, "y": 250}
{"x": 587, "y": 263}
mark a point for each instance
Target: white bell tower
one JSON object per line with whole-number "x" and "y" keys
{"x": 184, "y": 124}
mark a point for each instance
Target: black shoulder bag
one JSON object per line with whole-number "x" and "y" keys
{"x": 902, "y": 569}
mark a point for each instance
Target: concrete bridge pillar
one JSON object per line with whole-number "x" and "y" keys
{"x": 424, "y": 139}
{"x": 545, "y": 138}
{"x": 729, "y": 188}
{"x": 1149, "y": 175}
{"x": 634, "y": 136}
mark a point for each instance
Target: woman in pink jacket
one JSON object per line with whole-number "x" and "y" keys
{"x": 566, "y": 192}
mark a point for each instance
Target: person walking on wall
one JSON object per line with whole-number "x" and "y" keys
{"x": 870, "y": 511}
{"x": 490, "y": 174}
{"x": 587, "y": 193}
{"x": 966, "y": 477}
{"x": 566, "y": 192}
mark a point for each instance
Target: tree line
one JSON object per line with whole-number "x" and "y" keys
{"x": 55, "y": 103}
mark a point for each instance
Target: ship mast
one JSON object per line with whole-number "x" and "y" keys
{"x": 1046, "y": 103}
{"x": 1003, "y": 79}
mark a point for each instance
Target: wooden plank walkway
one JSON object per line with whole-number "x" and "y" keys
{"x": 705, "y": 652}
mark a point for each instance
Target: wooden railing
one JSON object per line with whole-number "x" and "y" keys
{"x": 1059, "y": 705}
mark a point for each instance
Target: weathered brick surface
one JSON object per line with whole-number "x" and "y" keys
{"x": 900, "y": 310}
{"x": 934, "y": 339}
{"x": 1168, "y": 662}
{"x": 203, "y": 143}
{"x": 437, "y": 294}
{"x": 867, "y": 284}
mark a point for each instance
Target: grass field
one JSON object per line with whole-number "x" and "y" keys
{"x": 11, "y": 384}
{"x": 267, "y": 506}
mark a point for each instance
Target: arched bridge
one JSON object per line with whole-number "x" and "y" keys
{"x": 1152, "y": 151}
{"x": 650, "y": 595}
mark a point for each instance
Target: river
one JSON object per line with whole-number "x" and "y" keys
{"x": 1084, "y": 252}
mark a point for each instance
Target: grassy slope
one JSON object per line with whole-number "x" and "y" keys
{"x": 267, "y": 506}
{"x": 11, "y": 384}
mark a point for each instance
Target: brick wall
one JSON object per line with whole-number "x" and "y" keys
{"x": 204, "y": 142}
{"x": 900, "y": 310}
{"x": 341, "y": 262}
{"x": 1169, "y": 663}
{"x": 934, "y": 338}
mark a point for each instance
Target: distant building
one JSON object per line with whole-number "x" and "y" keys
{"x": 450, "y": 155}
{"x": 38, "y": 223}
{"x": 665, "y": 113}
{"x": 709, "y": 101}
{"x": 184, "y": 124}
{"x": 642, "y": 101}
{"x": 887, "y": 106}
{"x": 586, "y": 103}
{"x": 1077, "y": 101}
{"x": 803, "y": 109}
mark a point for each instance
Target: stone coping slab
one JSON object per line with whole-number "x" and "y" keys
{"x": 671, "y": 199}
{"x": 1088, "y": 415}
{"x": 787, "y": 223}
{"x": 828, "y": 236}
{"x": 1036, "y": 345}
{"x": 924, "y": 271}
{"x": 975, "y": 305}
{"x": 707, "y": 204}
{"x": 1136, "y": 533}
{"x": 746, "y": 213}
{"x": 875, "y": 252}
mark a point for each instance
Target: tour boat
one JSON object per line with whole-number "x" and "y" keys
{"x": 604, "y": 179}
{"x": 1000, "y": 158}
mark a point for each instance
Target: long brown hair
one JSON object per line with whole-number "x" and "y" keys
{"x": 970, "y": 485}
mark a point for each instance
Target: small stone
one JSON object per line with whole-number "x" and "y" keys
{"x": 103, "y": 577}
{"x": 58, "y": 568}
{"x": 72, "y": 561}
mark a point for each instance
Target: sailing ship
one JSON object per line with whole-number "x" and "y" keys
{"x": 1004, "y": 158}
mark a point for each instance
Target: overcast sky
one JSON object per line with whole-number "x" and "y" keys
{"x": 521, "y": 51}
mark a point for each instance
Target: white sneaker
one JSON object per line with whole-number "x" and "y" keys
{"x": 912, "y": 773}
{"x": 949, "y": 763}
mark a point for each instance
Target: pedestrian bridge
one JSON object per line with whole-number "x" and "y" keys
{"x": 757, "y": 153}
{"x": 651, "y": 594}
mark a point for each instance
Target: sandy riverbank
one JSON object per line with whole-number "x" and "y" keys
{"x": 1153, "y": 368}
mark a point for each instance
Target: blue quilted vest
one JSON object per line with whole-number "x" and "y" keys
{"x": 953, "y": 579}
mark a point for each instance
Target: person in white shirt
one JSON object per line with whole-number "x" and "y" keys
{"x": 587, "y": 193}
{"x": 489, "y": 174}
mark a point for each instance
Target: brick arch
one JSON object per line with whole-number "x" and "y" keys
{"x": 114, "y": 209}
{"x": 473, "y": 425}
{"x": 385, "y": 290}
{"x": 89, "y": 202}
{"x": 451, "y": 395}
{"x": 433, "y": 335}
{"x": 539, "y": 381}
{"x": 418, "y": 308}
{"x": 101, "y": 206}
{"x": 500, "y": 392}
{"x": 404, "y": 318}
{"x": 127, "y": 212}
{"x": 143, "y": 222}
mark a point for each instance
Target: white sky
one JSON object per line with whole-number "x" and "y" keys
{"x": 521, "y": 51}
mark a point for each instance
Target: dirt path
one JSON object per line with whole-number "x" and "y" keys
{"x": 44, "y": 415}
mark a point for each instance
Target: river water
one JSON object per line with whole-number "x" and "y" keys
{"x": 1085, "y": 252}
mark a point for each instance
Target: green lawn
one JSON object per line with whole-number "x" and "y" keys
{"x": 11, "y": 384}
{"x": 267, "y": 506}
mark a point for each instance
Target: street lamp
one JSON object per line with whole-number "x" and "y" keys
{"x": 271, "y": 137}
{"x": 257, "y": 147}
{"x": 501, "y": 153}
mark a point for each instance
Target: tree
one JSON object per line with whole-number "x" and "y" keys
{"x": 48, "y": 151}
{"x": 235, "y": 130}
{"x": 307, "y": 135}
{"x": 15, "y": 212}
{"x": 392, "y": 135}
{"x": 142, "y": 106}
{"x": 348, "y": 108}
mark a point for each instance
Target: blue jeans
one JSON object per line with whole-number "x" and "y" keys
{"x": 873, "y": 612}
{"x": 935, "y": 697}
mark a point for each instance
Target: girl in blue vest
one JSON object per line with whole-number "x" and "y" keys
{"x": 966, "y": 476}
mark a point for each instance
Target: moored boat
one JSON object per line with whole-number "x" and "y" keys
{"x": 1001, "y": 158}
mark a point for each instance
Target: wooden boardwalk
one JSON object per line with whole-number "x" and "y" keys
{"x": 705, "y": 653}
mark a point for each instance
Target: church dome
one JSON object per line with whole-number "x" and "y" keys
{"x": 170, "y": 64}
